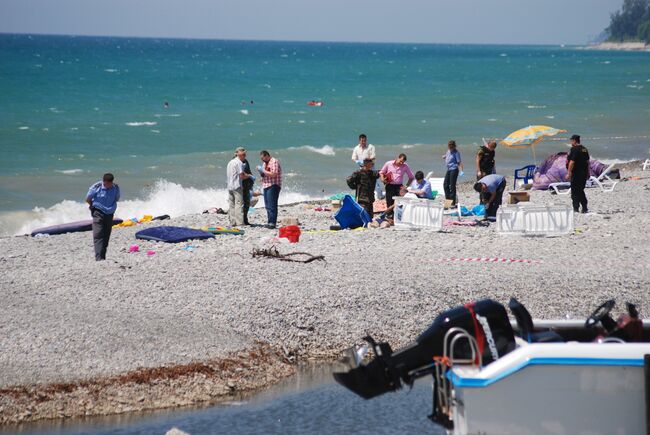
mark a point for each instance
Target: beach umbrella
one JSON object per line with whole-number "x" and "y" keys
{"x": 529, "y": 137}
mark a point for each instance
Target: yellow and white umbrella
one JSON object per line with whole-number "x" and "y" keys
{"x": 529, "y": 137}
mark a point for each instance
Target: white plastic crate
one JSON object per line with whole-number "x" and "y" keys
{"x": 414, "y": 213}
{"x": 538, "y": 220}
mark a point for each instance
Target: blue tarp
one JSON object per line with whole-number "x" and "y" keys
{"x": 172, "y": 234}
{"x": 351, "y": 215}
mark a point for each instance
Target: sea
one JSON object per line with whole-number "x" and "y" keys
{"x": 165, "y": 115}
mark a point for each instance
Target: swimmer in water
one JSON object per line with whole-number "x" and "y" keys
{"x": 166, "y": 105}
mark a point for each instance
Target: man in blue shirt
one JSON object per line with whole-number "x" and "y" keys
{"x": 491, "y": 188}
{"x": 421, "y": 187}
{"x": 102, "y": 198}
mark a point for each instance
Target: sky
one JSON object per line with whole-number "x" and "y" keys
{"x": 435, "y": 21}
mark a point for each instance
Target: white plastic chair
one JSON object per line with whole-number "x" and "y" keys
{"x": 603, "y": 181}
{"x": 646, "y": 164}
{"x": 438, "y": 184}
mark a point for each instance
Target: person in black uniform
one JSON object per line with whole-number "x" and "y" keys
{"x": 247, "y": 187}
{"x": 578, "y": 173}
{"x": 485, "y": 160}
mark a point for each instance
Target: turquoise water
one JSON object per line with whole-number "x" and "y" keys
{"x": 76, "y": 107}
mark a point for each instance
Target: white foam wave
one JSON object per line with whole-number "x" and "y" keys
{"x": 536, "y": 107}
{"x": 615, "y": 161}
{"x": 243, "y": 112}
{"x": 325, "y": 150}
{"x": 24, "y": 127}
{"x": 111, "y": 70}
{"x": 164, "y": 197}
{"x": 141, "y": 123}
{"x": 69, "y": 171}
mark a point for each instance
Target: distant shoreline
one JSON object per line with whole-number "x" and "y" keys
{"x": 619, "y": 46}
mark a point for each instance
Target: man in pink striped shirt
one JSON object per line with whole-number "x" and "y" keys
{"x": 392, "y": 175}
{"x": 271, "y": 173}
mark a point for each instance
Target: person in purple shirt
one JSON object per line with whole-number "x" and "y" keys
{"x": 102, "y": 198}
{"x": 491, "y": 188}
{"x": 392, "y": 175}
{"x": 454, "y": 169}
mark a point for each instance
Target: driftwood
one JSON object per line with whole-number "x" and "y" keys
{"x": 273, "y": 252}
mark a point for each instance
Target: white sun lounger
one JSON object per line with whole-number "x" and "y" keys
{"x": 603, "y": 181}
{"x": 438, "y": 184}
{"x": 646, "y": 164}
{"x": 561, "y": 188}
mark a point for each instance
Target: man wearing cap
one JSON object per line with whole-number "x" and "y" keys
{"x": 102, "y": 198}
{"x": 235, "y": 175}
{"x": 577, "y": 173}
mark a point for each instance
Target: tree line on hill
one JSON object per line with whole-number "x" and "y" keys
{"x": 631, "y": 23}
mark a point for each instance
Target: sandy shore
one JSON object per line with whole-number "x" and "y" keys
{"x": 76, "y": 336}
{"x": 620, "y": 46}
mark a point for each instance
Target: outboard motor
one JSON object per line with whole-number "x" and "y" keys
{"x": 486, "y": 321}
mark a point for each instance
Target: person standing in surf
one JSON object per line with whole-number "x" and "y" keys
{"x": 271, "y": 173}
{"x": 102, "y": 199}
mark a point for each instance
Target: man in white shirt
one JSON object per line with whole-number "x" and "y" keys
{"x": 235, "y": 174}
{"x": 363, "y": 151}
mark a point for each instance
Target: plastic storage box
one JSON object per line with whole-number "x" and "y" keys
{"x": 414, "y": 213}
{"x": 535, "y": 220}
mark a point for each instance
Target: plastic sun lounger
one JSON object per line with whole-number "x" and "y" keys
{"x": 646, "y": 164}
{"x": 561, "y": 188}
{"x": 603, "y": 181}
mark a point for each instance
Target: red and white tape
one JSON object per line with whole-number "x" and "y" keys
{"x": 487, "y": 260}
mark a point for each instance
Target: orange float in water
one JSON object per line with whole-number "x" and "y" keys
{"x": 315, "y": 103}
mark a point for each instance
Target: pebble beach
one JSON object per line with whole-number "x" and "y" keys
{"x": 202, "y": 321}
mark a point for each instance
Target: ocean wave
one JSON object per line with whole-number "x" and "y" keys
{"x": 243, "y": 112}
{"x": 536, "y": 107}
{"x": 141, "y": 123}
{"x": 164, "y": 197}
{"x": 111, "y": 70}
{"x": 615, "y": 161}
{"x": 23, "y": 127}
{"x": 325, "y": 150}
{"x": 69, "y": 171}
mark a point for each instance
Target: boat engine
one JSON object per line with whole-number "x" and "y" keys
{"x": 486, "y": 321}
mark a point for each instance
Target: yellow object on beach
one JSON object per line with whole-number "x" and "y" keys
{"x": 134, "y": 221}
{"x": 530, "y": 136}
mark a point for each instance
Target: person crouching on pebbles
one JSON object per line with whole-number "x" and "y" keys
{"x": 102, "y": 198}
{"x": 491, "y": 188}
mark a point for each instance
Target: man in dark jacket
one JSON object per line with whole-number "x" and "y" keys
{"x": 578, "y": 173}
{"x": 247, "y": 188}
{"x": 365, "y": 180}
{"x": 485, "y": 160}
